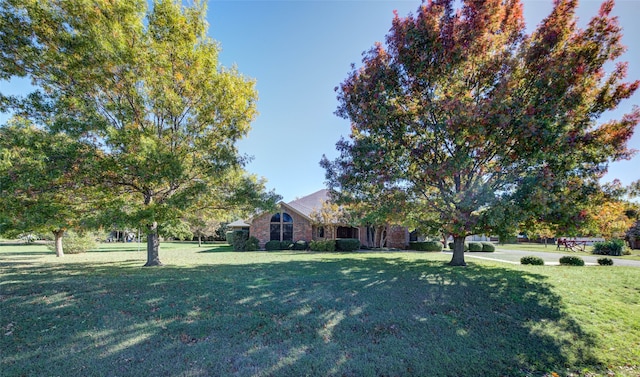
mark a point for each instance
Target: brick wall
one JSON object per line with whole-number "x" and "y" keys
{"x": 397, "y": 237}
{"x": 261, "y": 228}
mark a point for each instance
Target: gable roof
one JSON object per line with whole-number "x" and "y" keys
{"x": 310, "y": 203}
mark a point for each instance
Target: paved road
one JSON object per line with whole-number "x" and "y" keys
{"x": 513, "y": 256}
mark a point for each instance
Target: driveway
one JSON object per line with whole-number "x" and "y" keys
{"x": 513, "y": 256}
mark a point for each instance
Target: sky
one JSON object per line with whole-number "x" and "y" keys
{"x": 298, "y": 51}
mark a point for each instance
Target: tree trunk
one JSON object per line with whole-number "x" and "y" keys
{"x": 458, "y": 252}
{"x": 57, "y": 234}
{"x": 199, "y": 240}
{"x": 383, "y": 236}
{"x": 153, "y": 246}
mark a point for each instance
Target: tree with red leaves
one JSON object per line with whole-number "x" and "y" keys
{"x": 482, "y": 125}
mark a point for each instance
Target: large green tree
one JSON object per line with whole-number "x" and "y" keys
{"x": 145, "y": 87}
{"x": 43, "y": 185}
{"x": 481, "y": 125}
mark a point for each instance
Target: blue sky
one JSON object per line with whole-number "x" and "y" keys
{"x": 298, "y": 51}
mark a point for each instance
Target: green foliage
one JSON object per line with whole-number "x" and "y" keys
{"x": 570, "y": 260}
{"x": 533, "y": 260}
{"x": 613, "y": 247}
{"x": 76, "y": 243}
{"x": 242, "y": 241}
{"x": 285, "y": 245}
{"x": 488, "y": 247}
{"x": 253, "y": 244}
{"x": 347, "y": 244}
{"x": 44, "y": 183}
{"x": 229, "y": 236}
{"x": 133, "y": 77}
{"x": 475, "y": 246}
{"x": 323, "y": 245}
{"x": 176, "y": 229}
{"x": 426, "y": 246}
{"x": 300, "y": 245}
{"x": 273, "y": 245}
{"x": 605, "y": 261}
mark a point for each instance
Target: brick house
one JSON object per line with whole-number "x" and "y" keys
{"x": 293, "y": 222}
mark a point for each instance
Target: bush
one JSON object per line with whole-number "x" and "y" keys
{"x": 488, "y": 247}
{"x": 272, "y": 245}
{"x": 347, "y": 244}
{"x": 253, "y": 244}
{"x": 605, "y": 261}
{"x": 612, "y": 247}
{"x": 242, "y": 241}
{"x": 466, "y": 246}
{"x": 229, "y": 237}
{"x": 426, "y": 246}
{"x": 74, "y": 243}
{"x": 536, "y": 261}
{"x": 326, "y": 245}
{"x": 475, "y": 246}
{"x": 571, "y": 261}
{"x": 300, "y": 245}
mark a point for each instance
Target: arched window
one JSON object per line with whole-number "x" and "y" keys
{"x": 281, "y": 227}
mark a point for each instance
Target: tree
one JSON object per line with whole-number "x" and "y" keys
{"x": 479, "y": 123}
{"x": 43, "y": 187}
{"x": 149, "y": 94}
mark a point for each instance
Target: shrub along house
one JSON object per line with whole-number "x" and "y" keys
{"x": 295, "y": 221}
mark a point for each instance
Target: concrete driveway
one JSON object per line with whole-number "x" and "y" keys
{"x": 513, "y": 256}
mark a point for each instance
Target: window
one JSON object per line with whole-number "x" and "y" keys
{"x": 281, "y": 227}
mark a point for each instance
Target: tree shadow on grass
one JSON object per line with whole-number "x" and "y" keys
{"x": 340, "y": 317}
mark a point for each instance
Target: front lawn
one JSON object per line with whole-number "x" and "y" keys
{"x": 212, "y": 312}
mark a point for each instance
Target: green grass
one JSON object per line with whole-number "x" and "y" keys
{"x": 210, "y": 311}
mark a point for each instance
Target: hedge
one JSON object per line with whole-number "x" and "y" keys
{"x": 571, "y": 261}
{"x": 426, "y": 246}
{"x": 488, "y": 247}
{"x": 281, "y": 245}
{"x": 605, "y": 261}
{"x": 612, "y": 247}
{"x": 347, "y": 244}
{"x": 300, "y": 245}
{"x": 326, "y": 245}
{"x": 273, "y": 245}
{"x": 536, "y": 261}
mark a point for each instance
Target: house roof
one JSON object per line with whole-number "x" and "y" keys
{"x": 304, "y": 206}
{"x": 310, "y": 203}
{"x": 238, "y": 224}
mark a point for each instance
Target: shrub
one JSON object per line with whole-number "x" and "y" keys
{"x": 326, "y": 245}
{"x": 571, "y": 261}
{"x": 242, "y": 241}
{"x": 347, "y": 244}
{"x": 488, "y": 246}
{"x": 300, "y": 245}
{"x": 612, "y": 247}
{"x": 530, "y": 259}
{"x": 426, "y": 246}
{"x": 475, "y": 246}
{"x": 466, "y": 246}
{"x": 286, "y": 245}
{"x": 272, "y": 245}
{"x": 605, "y": 261}
{"x": 229, "y": 237}
{"x": 75, "y": 243}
